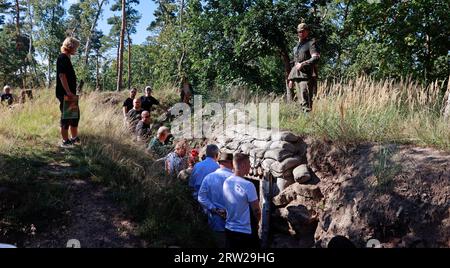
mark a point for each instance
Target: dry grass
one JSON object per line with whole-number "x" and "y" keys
{"x": 364, "y": 110}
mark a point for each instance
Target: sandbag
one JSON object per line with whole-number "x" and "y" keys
{"x": 285, "y": 175}
{"x": 282, "y": 184}
{"x": 247, "y": 139}
{"x": 262, "y": 134}
{"x": 285, "y": 136}
{"x": 234, "y": 145}
{"x": 246, "y": 147}
{"x": 295, "y": 148}
{"x": 301, "y": 174}
{"x": 222, "y": 139}
{"x": 286, "y": 164}
{"x": 257, "y": 153}
{"x": 266, "y": 163}
{"x": 261, "y": 144}
{"x": 277, "y": 154}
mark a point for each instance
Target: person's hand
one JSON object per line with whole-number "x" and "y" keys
{"x": 71, "y": 95}
{"x": 299, "y": 66}
{"x": 221, "y": 212}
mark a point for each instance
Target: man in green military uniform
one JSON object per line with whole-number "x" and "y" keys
{"x": 303, "y": 76}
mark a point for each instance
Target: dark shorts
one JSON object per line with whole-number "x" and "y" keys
{"x": 66, "y": 123}
{"x": 241, "y": 240}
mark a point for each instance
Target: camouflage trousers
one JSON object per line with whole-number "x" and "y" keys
{"x": 306, "y": 90}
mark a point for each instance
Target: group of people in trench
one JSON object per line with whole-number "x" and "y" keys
{"x": 216, "y": 179}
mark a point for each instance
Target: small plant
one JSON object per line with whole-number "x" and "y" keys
{"x": 384, "y": 169}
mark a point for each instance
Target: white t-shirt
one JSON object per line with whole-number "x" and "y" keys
{"x": 238, "y": 194}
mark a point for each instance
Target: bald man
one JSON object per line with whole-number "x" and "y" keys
{"x": 134, "y": 115}
{"x": 144, "y": 128}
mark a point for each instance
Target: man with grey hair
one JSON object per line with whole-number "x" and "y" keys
{"x": 7, "y": 96}
{"x": 201, "y": 169}
{"x": 158, "y": 145}
{"x": 147, "y": 101}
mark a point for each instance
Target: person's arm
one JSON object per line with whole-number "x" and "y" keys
{"x": 65, "y": 84}
{"x": 254, "y": 202}
{"x": 203, "y": 197}
{"x": 256, "y": 210}
{"x": 315, "y": 56}
{"x": 167, "y": 166}
{"x": 155, "y": 101}
{"x": 193, "y": 178}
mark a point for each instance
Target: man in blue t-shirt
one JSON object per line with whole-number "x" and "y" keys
{"x": 239, "y": 196}
{"x": 200, "y": 170}
{"x": 210, "y": 196}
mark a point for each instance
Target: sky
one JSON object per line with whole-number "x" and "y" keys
{"x": 145, "y": 8}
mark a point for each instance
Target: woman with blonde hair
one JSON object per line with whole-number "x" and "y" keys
{"x": 66, "y": 88}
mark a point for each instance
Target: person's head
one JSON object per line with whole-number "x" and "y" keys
{"x": 225, "y": 160}
{"x": 241, "y": 164}
{"x": 181, "y": 148}
{"x": 137, "y": 104}
{"x": 133, "y": 92}
{"x": 162, "y": 133}
{"x": 148, "y": 91}
{"x": 70, "y": 46}
{"x": 212, "y": 151}
{"x": 340, "y": 241}
{"x": 7, "y": 89}
{"x": 145, "y": 115}
{"x": 303, "y": 31}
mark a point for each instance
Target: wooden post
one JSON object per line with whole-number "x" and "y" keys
{"x": 265, "y": 193}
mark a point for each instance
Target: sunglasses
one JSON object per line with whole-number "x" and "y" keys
{"x": 146, "y": 117}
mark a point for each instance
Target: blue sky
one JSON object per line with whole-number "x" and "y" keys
{"x": 146, "y": 8}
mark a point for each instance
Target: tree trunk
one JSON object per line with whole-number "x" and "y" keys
{"x": 129, "y": 60}
{"x": 17, "y": 20}
{"x": 121, "y": 45}
{"x": 30, "y": 46}
{"x": 287, "y": 69}
{"x": 97, "y": 73}
{"x": 183, "y": 45}
{"x": 88, "y": 41}
{"x": 49, "y": 70}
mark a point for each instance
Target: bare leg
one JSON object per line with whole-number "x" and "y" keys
{"x": 74, "y": 132}
{"x": 65, "y": 133}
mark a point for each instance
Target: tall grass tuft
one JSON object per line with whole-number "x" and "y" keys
{"x": 365, "y": 110}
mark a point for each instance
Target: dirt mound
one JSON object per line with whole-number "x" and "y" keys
{"x": 399, "y": 195}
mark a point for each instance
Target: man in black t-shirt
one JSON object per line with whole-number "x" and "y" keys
{"x": 128, "y": 103}
{"x": 7, "y": 96}
{"x": 148, "y": 100}
{"x": 134, "y": 115}
{"x": 66, "y": 86}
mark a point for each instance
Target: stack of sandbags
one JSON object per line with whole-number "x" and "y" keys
{"x": 281, "y": 153}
